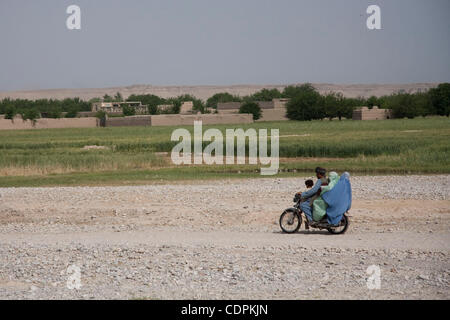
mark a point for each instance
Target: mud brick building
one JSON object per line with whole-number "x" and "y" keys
{"x": 116, "y": 107}
{"x": 364, "y": 113}
{"x": 274, "y": 110}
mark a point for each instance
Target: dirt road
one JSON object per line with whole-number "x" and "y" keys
{"x": 221, "y": 239}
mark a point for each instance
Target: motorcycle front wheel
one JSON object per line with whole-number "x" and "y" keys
{"x": 290, "y": 221}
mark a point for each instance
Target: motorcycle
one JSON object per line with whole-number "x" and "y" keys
{"x": 291, "y": 221}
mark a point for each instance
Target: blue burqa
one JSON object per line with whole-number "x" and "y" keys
{"x": 339, "y": 199}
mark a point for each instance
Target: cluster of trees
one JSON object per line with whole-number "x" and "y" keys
{"x": 50, "y": 108}
{"x": 435, "y": 101}
{"x": 54, "y": 108}
{"x": 212, "y": 102}
{"x": 153, "y": 102}
{"x": 306, "y": 103}
{"x": 262, "y": 95}
{"x": 107, "y": 98}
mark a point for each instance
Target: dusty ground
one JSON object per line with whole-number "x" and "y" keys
{"x": 221, "y": 239}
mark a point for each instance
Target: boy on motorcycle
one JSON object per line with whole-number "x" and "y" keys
{"x": 312, "y": 194}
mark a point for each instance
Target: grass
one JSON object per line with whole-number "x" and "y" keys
{"x": 57, "y": 156}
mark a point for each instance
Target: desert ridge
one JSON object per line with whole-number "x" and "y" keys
{"x": 206, "y": 91}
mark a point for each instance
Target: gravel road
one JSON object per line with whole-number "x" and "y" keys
{"x": 221, "y": 240}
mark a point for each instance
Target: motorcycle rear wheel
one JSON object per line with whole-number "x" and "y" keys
{"x": 343, "y": 226}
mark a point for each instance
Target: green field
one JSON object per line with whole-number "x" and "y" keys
{"x": 133, "y": 154}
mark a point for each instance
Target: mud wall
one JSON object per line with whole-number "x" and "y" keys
{"x": 46, "y": 123}
{"x": 179, "y": 120}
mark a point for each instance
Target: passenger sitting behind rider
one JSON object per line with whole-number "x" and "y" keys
{"x": 309, "y": 184}
{"x": 308, "y": 197}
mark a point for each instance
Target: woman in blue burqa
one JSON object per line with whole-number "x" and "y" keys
{"x": 338, "y": 199}
{"x": 319, "y": 205}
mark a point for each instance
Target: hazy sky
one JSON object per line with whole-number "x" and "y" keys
{"x": 192, "y": 42}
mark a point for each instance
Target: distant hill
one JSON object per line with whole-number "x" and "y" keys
{"x": 206, "y": 91}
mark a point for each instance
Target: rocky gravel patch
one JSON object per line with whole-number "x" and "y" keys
{"x": 207, "y": 272}
{"x": 221, "y": 240}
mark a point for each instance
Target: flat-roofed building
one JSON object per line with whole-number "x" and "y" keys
{"x": 274, "y": 110}
{"x": 116, "y": 107}
{"x": 165, "y": 108}
{"x": 187, "y": 107}
{"x": 364, "y": 113}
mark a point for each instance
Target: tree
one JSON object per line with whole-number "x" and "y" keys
{"x": 421, "y": 104}
{"x": 128, "y": 110}
{"x": 69, "y": 104}
{"x": 347, "y": 105}
{"x": 53, "y": 109}
{"x": 118, "y": 97}
{"x": 330, "y": 105}
{"x": 402, "y": 105}
{"x": 149, "y": 100}
{"x": 292, "y": 91}
{"x": 440, "y": 99}
{"x": 264, "y": 95}
{"x": 304, "y": 105}
{"x": 72, "y": 113}
{"x": 4, "y": 104}
{"x": 220, "y": 98}
{"x": 30, "y": 114}
{"x": 10, "y": 112}
{"x": 252, "y": 108}
{"x": 94, "y": 100}
{"x": 100, "y": 114}
{"x": 107, "y": 98}
{"x": 176, "y": 105}
{"x": 372, "y": 101}
{"x": 198, "y": 104}
{"x": 382, "y": 102}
